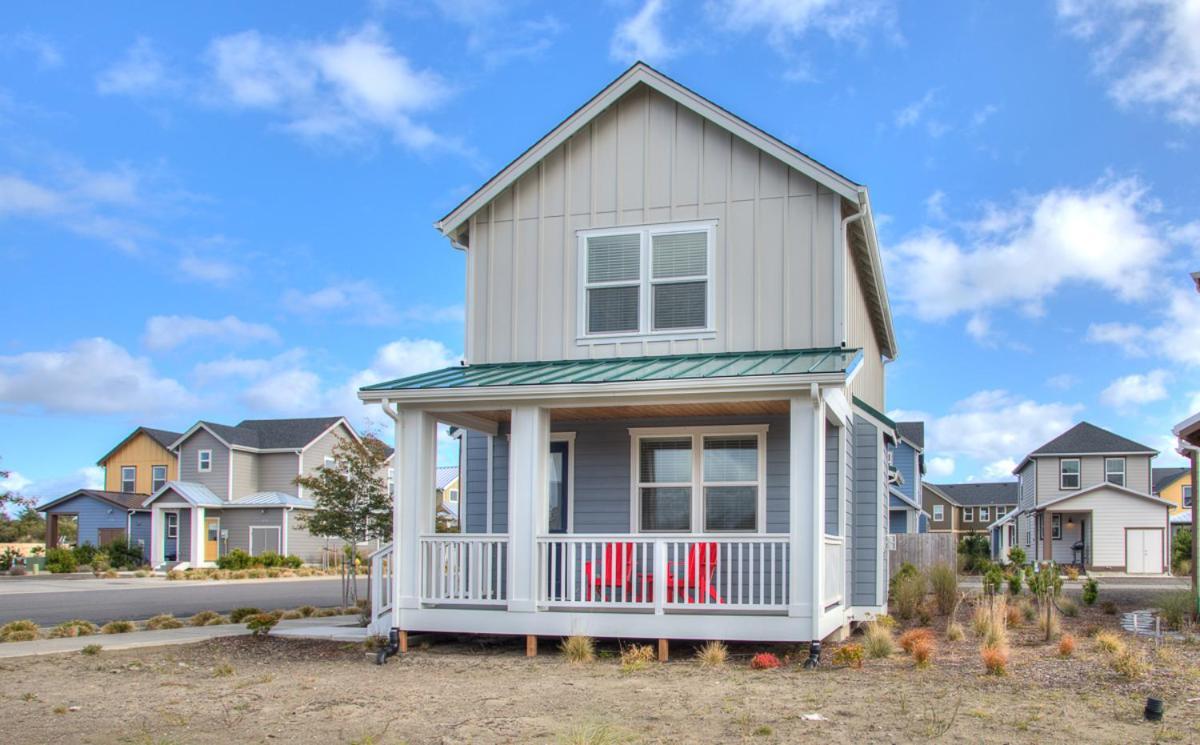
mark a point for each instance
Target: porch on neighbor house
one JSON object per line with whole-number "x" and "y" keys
{"x": 1060, "y": 532}
{"x": 633, "y": 516}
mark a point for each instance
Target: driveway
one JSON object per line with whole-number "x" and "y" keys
{"x": 51, "y": 601}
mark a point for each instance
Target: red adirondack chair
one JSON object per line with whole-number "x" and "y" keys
{"x": 696, "y": 581}
{"x": 617, "y": 570}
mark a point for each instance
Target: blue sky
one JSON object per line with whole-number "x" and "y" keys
{"x": 226, "y": 212}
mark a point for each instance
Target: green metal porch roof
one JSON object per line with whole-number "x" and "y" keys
{"x": 826, "y": 360}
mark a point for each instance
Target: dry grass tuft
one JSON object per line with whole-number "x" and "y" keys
{"x": 912, "y": 637}
{"x": 203, "y": 618}
{"x": 76, "y": 627}
{"x": 849, "y": 655}
{"x": 1013, "y": 616}
{"x": 995, "y": 659}
{"x": 1066, "y": 646}
{"x": 19, "y": 631}
{"x": 878, "y": 641}
{"x": 712, "y": 654}
{"x": 163, "y": 621}
{"x": 636, "y": 656}
{"x": 579, "y": 650}
{"x": 1130, "y": 664}
{"x": 922, "y": 653}
{"x": 954, "y": 632}
{"x": 118, "y": 627}
{"x": 1109, "y": 643}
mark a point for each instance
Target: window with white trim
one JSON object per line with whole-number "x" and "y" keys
{"x": 128, "y": 479}
{"x": 968, "y": 514}
{"x": 1068, "y": 473}
{"x": 453, "y": 498}
{"x": 939, "y": 513}
{"x": 204, "y": 461}
{"x": 653, "y": 280}
{"x": 709, "y": 480}
{"x": 158, "y": 478}
{"x": 172, "y": 524}
{"x": 1056, "y": 526}
{"x": 985, "y": 515}
{"x": 1187, "y": 495}
{"x": 329, "y": 462}
{"x": 1114, "y": 471}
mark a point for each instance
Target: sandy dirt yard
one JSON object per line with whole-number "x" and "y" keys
{"x": 241, "y": 690}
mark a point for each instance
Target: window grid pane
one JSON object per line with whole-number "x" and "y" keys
{"x": 666, "y": 508}
{"x": 680, "y": 305}
{"x": 730, "y": 459}
{"x": 730, "y": 508}
{"x": 679, "y": 255}
{"x": 614, "y": 258}
{"x": 613, "y": 309}
{"x": 665, "y": 461}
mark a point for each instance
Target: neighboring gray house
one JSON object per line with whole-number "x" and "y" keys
{"x": 1087, "y": 497}
{"x": 236, "y": 490}
{"x": 907, "y": 452}
{"x": 676, "y": 329}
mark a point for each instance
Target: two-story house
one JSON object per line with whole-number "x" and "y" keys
{"x": 676, "y": 330}
{"x": 134, "y": 469}
{"x": 1086, "y": 497}
{"x": 969, "y": 507}
{"x": 237, "y": 490}
{"x": 907, "y": 456}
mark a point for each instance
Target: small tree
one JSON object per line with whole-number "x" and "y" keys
{"x": 352, "y": 501}
{"x": 1016, "y": 555}
{"x": 1045, "y": 586}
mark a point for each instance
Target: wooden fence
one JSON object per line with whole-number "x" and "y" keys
{"x": 923, "y": 550}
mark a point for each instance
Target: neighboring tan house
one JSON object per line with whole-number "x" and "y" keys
{"x": 970, "y": 507}
{"x": 1087, "y": 497}
{"x": 236, "y": 490}
{"x": 138, "y": 465}
{"x": 1175, "y": 486}
{"x": 447, "y": 492}
{"x": 905, "y": 511}
{"x": 676, "y": 329}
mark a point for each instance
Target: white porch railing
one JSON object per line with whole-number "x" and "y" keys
{"x": 835, "y": 570}
{"x": 464, "y": 569}
{"x": 716, "y": 573}
{"x": 383, "y": 568}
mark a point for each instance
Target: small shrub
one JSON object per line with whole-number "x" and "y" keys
{"x": 235, "y": 559}
{"x": 1014, "y": 584}
{"x": 849, "y": 655}
{"x": 261, "y": 624}
{"x": 292, "y": 615}
{"x": 995, "y": 660}
{"x": 912, "y": 637}
{"x": 292, "y": 561}
{"x": 886, "y": 621}
{"x": 118, "y": 627}
{"x": 1174, "y": 607}
{"x": 1091, "y": 591}
{"x": 1028, "y": 614}
{"x": 1016, "y": 555}
{"x": 954, "y": 632}
{"x": 712, "y": 654}
{"x": 1012, "y": 616}
{"x": 72, "y": 628}
{"x": 909, "y": 594}
{"x": 241, "y": 614}
{"x": 636, "y": 656}
{"x": 91, "y": 650}
{"x": 19, "y": 631}
{"x": 944, "y": 582}
{"x": 1066, "y": 646}
{"x": 163, "y": 621}
{"x": 1130, "y": 664}
{"x": 878, "y": 641}
{"x": 124, "y": 555}
{"x": 61, "y": 561}
{"x": 579, "y": 649}
{"x": 765, "y": 661}
{"x": 203, "y": 617}
{"x": 1109, "y": 643}
{"x": 85, "y": 554}
{"x": 307, "y": 610}
{"x": 973, "y": 551}
{"x": 1109, "y": 608}
{"x": 217, "y": 621}
{"x": 922, "y": 653}
{"x": 906, "y": 570}
{"x": 1072, "y": 572}
{"x": 1069, "y": 608}
{"x": 224, "y": 670}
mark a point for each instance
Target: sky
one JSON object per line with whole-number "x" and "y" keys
{"x": 225, "y": 211}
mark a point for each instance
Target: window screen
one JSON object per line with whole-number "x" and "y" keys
{"x": 613, "y": 309}
{"x": 665, "y": 461}
{"x": 730, "y": 483}
{"x": 614, "y": 258}
{"x": 680, "y": 305}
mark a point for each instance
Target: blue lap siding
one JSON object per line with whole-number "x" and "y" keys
{"x": 93, "y": 514}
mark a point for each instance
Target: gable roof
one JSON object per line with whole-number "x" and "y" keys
{"x": 268, "y": 434}
{"x": 195, "y": 494}
{"x": 122, "y": 500}
{"x": 1103, "y": 485}
{"x": 862, "y": 230}
{"x": 980, "y": 494}
{"x": 1161, "y": 478}
{"x": 1086, "y": 438}
{"x": 914, "y": 432}
{"x": 445, "y": 474}
{"x": 163, "y": 437}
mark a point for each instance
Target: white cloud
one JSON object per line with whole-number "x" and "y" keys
{"x": 995, "y": 425}
{"x": 981, "y": 116}
{"x": 289, "y": 392}
{"x": 360, "y": 301}
{"x": 1137, "y": 389}
{"x": 1020, "y": 255}
{"x": 44, "y": 51}
{"x": 1062, "y": 381}
{"x": 1175, "y": 336}
{"x": 211, "y": 270}
{"x": 343, "y": 89}
{"x": 935, "y": 205}
{"x": 248, "y": 368}
{"x": 979, "y": 328}
{"x": 41, "y": 490}
{"x": 93, "y": 376}
{"x": 1000, "y": 469}
{"x": 169, "y": 332}
{"x": 640, "y": 37}
{"x": 141, "y": 71}
{"x": 1147, "y": 50}
{"x": 939, "y": 467}
{"x": 911, "y": 114}
{"x": 397, "y": 359}
{"x": 495, "y": 34}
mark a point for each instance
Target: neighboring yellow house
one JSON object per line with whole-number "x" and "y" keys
{"x": 141, "y": 463}
{"x": 1175, "y": 486}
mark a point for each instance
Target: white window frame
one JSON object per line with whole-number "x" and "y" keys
{"x": 1078, "y": 474}
{"x": 1056, "y": 526}
{"x": 985, "y": 515}
{"x": 1185, "y": 495}
{"x": 165, "y": 472}
{"x": 329, "y": 462}
{"x": 172, "y": 524}
{"x": 203, "y": 464}
{"x": 1108, "y": 472}
{"x": 968, "y": 514}
{"x": 646, "y": 283}
{"x": 124, "y": 480}
{"x": 939, "y": 513}
{"x": 697, "y": 483}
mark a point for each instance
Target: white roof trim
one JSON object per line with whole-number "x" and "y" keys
{"x": 1003, "y": 519}
{"x": 1187, "y": 425}
{"x": 1104, "y": 485}
{"x": 192, "y": 430}
{"x": 640, "y": 72}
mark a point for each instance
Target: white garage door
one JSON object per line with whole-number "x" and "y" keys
{"x": 1143, "y": 551}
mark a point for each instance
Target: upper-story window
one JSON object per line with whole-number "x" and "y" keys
{"x": 1068, "y": 474}
{"x": 1114, "y": 471}
{"x": 453, "y": 497}
{"x": 985, "y": 514}
{"x": 158, "y": 477}
{"x": 329, "y": 462}
{"x": 654, "y": 280}
{"x": 204, "y": 461}
{"x": 968, "y": 515}
{"x": 939, "y": 513}
{"x": 1187, "y": 496}
{"x": 129, "y": 479}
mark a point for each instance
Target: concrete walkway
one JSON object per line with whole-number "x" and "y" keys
{"x": 332, "y": 627}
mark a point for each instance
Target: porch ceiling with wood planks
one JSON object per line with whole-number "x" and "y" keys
{"x": 653, "y": 411}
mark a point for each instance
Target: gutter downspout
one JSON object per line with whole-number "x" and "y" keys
{"x": 839, "y": 269}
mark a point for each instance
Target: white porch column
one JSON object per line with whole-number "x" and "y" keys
{"x": 817, "y": 460}
{"x": 802, "y": 576}
{"x": 528, "y": 497}
{"x": 158, "y": 531}
{"x": 416, "y": 447}
{"x": 197, "y": 547}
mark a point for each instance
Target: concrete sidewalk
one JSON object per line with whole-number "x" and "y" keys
{"x": 336, "y": 628}
{"x": 37, "y": 583}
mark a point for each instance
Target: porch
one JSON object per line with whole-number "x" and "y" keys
{"x": 713, "y": 515}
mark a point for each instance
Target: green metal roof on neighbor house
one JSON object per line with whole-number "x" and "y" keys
{"x": 632, "y": 369}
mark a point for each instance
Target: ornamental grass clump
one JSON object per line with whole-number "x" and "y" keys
{"x": 1066, "y": 646}
{"x": 75, "y": 627}
{"x": 922, "y": 653}
{"x": 19, "y": 631}
{"x": 1109, "y": 643}
{"x": 849, "y": 655}
{"x": 765, "y": 661}
{"x": 908, "y": 594}
{"x": 954, "y": 632}
{"x": 1130, "y": 664}
{"x": 579, "y": 650}
{"x": 635, "y": 657}
{"x": 162, "y": 622}
{"x": 944, "y": 582}
{"x": 118, "y": 627}
{"x": 995, "y": 659}
{"x": 912, "y": 637}
{"x": 712, "y": 654}
{"x": 237, "y": 615}
{"x": 204, "y": 618}
{"x": 878, "y": 641}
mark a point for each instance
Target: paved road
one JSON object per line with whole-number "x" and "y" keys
{"x": 48, "y": 602}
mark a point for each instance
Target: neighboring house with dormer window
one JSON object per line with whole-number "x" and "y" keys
{"x": 1086, "y": 497}
{"x": 676, "y": 329}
